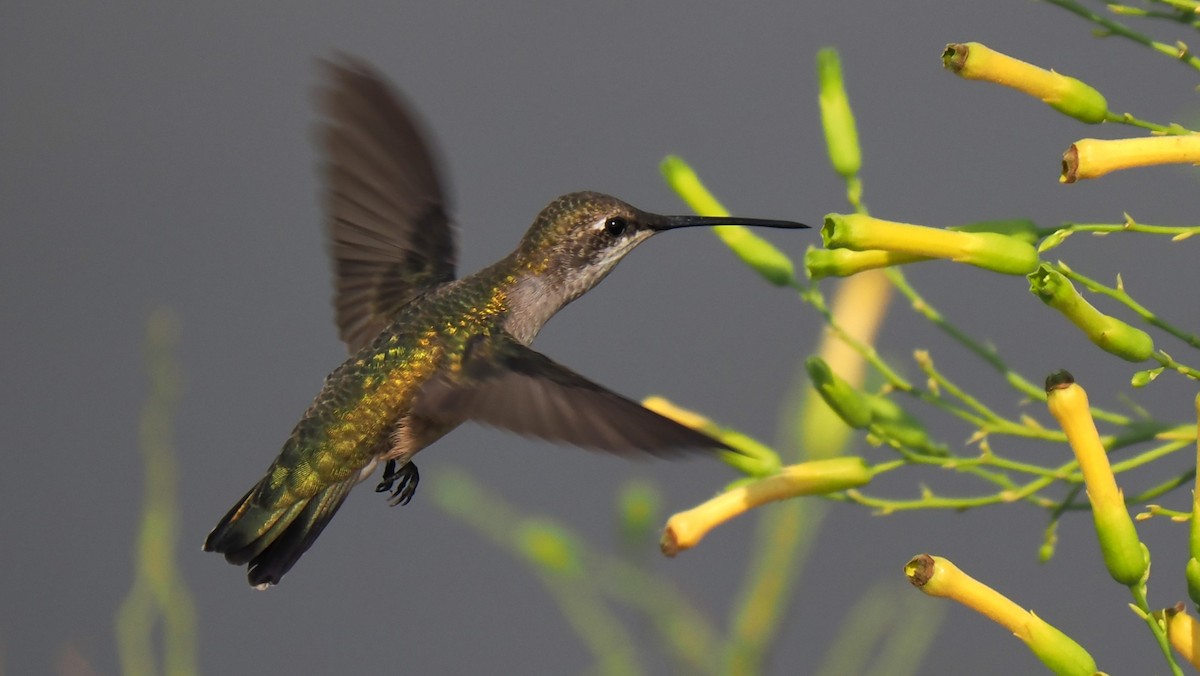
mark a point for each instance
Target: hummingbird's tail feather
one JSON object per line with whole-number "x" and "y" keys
{"x": 271, "y": 538}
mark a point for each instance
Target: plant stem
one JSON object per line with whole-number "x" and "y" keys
{"x": 1117, "y": 28}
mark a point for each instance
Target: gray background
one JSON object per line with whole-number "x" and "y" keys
{"x": 154, "y": 155}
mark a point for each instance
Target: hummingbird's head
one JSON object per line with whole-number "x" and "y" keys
{"x": 575, "y": 242}
{"x": 579, "y": 237}
{"x": 582, "y": 235}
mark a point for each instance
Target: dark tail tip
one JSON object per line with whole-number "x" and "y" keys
{"x": 271, "y": 538}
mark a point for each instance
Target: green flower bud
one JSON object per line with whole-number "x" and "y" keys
{"x": 684, "y": 181}
{"x": 890, "y": 421}
{"x": 1192, "y": 574}
{"x": 841, "y": 134}
{"x": 1110, "y": 334}
{"x": 1144, "y": 378}
{"x": 1067, "y": 95}
{"x": 758, "y": 253}
{"x": 988, "y": 250}
{"x": 1049, "y": 543}
{"x": 1058, "y": 237}
{"x": 638, "y": 507}
{"x": 851, "y": 406}
{"x": 549, "y": 546}
{"x": 753, "y": 457}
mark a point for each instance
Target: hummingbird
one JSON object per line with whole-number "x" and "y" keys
{"x": 429, "y": 351}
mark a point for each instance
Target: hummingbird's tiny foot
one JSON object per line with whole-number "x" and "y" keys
{"x": 389, "y": 477}
{"x": 406, "y": 479}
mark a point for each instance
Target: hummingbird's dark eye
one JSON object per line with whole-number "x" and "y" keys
{"x": 615, "y": 226}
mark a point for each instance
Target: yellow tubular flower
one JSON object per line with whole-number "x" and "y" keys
{"x": 1018, "y": 228}
{"x": 686, "y": 417}
{"x": 989, "y": 250}
{"x": 1119, "y": 544}
{"x": 937, "y": 576}
{"x": 685, "y": 529}
{"x": 751, "y": 456}
{"x": 1067, "y": 95}
{"x": 1093, "y": 158}
{"x": 1184, "y": 633}
{"x": 821, "y": 263}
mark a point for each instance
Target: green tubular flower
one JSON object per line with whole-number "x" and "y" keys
{"x": 1067, "y": 95}
{"x": 549, "y": 546}
{"x": 989, "y": 250}
{"x": 890, "y": 420}
{"x": 767, "y": 260}
{"x": 882, "y": 416}
{"x": 841, "y": 133}
{"x": 638, "y": 506}
{"x": 1123, "y": 553}
{"x": 758, "y": 253}
{"x": 850, "y": 405}
{"x": 1191, "y": 573}
{"x": 1108, "y": 333}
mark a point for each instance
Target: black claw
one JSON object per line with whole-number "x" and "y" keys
{"x": 389, "y": 477}
{"x": 405, "y": 480}
{"x": 408, "y": 478}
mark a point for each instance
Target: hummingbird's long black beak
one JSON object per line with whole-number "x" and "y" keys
{"x": 661, "y": 223}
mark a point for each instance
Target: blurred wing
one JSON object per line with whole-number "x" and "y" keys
{"x": 507, "y": 385}
{"x": 389, "y": 234}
